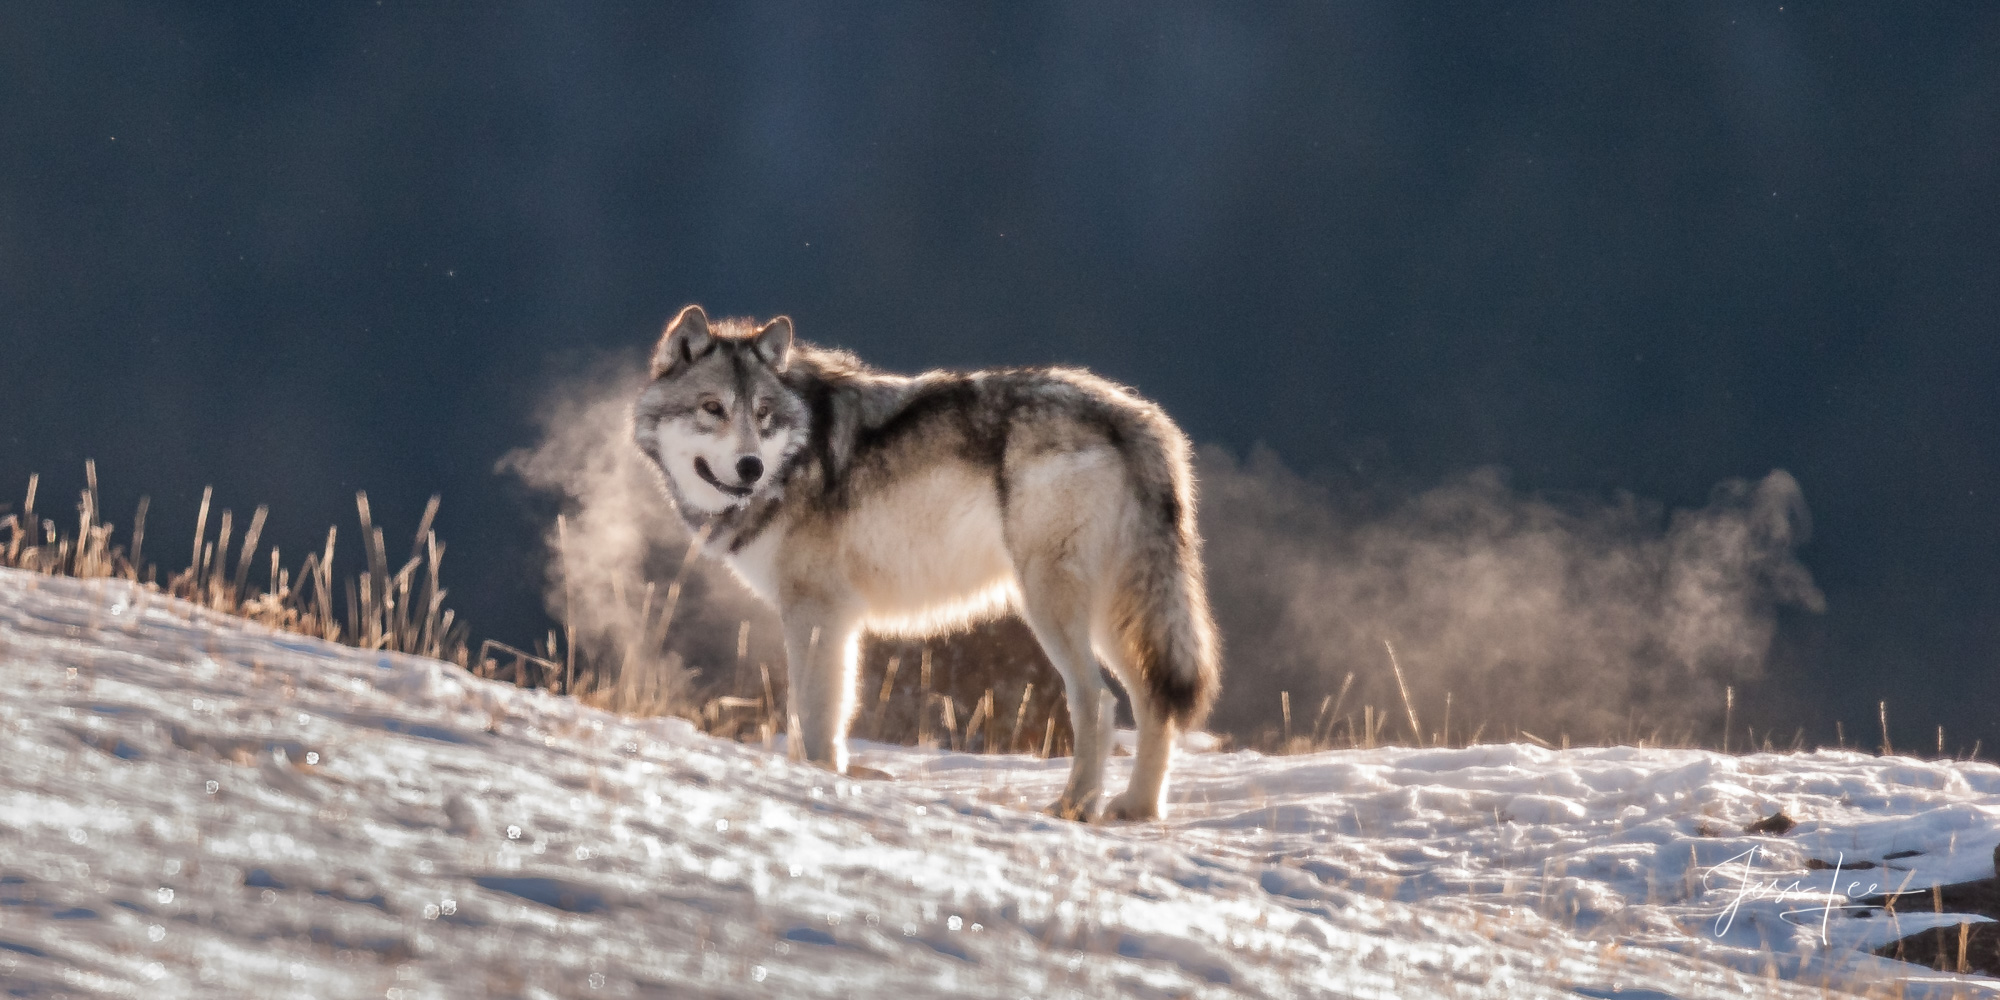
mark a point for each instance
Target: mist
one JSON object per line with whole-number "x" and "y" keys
{"x": 1570, "y": 616}
{"x": 1564, "y": 616}
{"x": 641, "y": 615}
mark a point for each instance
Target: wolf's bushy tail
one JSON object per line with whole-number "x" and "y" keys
{"x": 1161, "y": 614}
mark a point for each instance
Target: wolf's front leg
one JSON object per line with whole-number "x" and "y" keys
{"x": 820, "y": 650}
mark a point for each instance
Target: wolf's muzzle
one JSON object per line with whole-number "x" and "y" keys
{"x": 708, "y": 476}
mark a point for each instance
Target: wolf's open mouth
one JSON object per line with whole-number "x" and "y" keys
{"x": 701, "y": 469}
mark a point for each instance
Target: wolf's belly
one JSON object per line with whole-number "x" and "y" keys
{"x": 928, "y": 554}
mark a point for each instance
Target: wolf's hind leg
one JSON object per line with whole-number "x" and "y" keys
{"x": 1144, "y": 797}
{"x": 1065, "y": 636}
{"x": 820, "y": 649}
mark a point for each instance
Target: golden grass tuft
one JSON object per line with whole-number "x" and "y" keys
{"x": 399, "y": 612}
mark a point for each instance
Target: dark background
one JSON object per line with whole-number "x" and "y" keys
{"x": 1610, "y": 247}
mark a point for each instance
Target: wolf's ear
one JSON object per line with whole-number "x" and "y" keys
{"x": 774, "y": 342}
{"x": 686, "y": 337}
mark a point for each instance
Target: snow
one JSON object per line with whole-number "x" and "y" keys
{"x": 194, "y": 806}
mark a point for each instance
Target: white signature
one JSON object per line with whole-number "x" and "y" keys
{"x": 1750, "y": 887}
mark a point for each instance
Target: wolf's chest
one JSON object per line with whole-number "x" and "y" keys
{"x": 921, "y": 547}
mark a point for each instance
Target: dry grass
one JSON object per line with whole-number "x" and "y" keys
{"x": 986, "y": 691}
{"x": 401, "y": 611}
{"x": 1335, "y": 724}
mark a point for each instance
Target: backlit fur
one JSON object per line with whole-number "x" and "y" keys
{"x": 914, "y": 505}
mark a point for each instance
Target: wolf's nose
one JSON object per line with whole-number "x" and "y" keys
{"x": 748, "y": 468}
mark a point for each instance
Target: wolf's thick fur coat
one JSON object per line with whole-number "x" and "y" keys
{"x": 856, "y": 500}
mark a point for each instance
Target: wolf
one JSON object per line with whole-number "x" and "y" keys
{"x": 854, "y": 500}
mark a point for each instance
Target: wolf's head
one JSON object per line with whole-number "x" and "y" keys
{"x": 718, "y": 418}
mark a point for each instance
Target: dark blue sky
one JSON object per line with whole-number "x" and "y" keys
{"x": 1606, "y": 246}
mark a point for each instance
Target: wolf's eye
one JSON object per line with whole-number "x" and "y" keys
{"x": 763, "y": 410}
{"x": 712, "y": 408}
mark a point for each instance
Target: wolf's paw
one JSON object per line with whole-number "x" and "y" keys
{"x": 1072, "y": 809}
{"x": 1128, "y": 809}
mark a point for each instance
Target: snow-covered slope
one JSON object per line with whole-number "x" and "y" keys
{"x": 191, "y": 806}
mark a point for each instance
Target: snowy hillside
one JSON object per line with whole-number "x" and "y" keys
{"x": 190, "y": 806}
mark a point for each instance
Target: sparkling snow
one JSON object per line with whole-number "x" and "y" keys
{"x": 194, "y": 806}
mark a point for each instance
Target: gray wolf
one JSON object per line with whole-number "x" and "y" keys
{"x": 854, "y": 500}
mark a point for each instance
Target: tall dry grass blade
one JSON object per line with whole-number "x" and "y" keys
{"x": 219, "y": 566}
{"x": 1020, "y": 716}
{"x": 950, "y": 721}
{"x": 569, "y": 597}
{"x": 308, "y": 581}
{"x": 457, "y": 637}
{"x": 402, "y": 609}
{"x": 435, "y": 620}
{"x": 87, "y": 537}
{"x": 1728, "y": 714}
{"x": 424, "y": 524}
{"x": 1416, "y": 730}
{"x": 250, "y": 538}
{"x": 674, "y": 592}
{"x": 770, "y": 698}
{"x": 521, "y": 659}
{"x": 382, "y": 603}
{"x": 569, "y": 657}
{"x": 200, "y": 532}
{"x": 982, "y": 711}
{"x": 889, "y": 680}
{"x": 1882, "y": 711}
{"x": 1285, "y": 708}
{"x": 354, "y": 606}
{"x": 645, "y": 629}
{"x": 431, "y": 638}
{"x": 882, "y": 698}
{"x": 368, "y": 620}
{"x": 1338, "y": 700}
{"x": 323, "y": 587}
{"x": 139, "y": 539}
